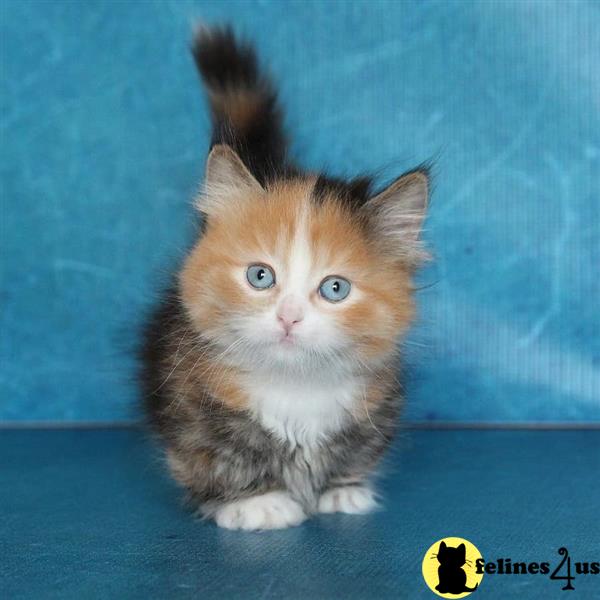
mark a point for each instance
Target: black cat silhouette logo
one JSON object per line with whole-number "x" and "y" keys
{"x": 449, "y": 568}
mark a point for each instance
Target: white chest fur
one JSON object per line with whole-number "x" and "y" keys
{"x": 303, "y": 412}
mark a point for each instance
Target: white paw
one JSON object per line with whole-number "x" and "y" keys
{"x": 273, "y": 510}
{"x": 351, "y": 499}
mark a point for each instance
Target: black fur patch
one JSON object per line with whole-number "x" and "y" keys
{"x": 224, "y": 61}
{"x": 352, "y": 193}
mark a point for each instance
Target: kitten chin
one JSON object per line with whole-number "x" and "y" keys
{"x": 269, "y": 369}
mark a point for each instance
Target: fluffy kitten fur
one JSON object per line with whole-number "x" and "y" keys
{"x": 275, "y": 404}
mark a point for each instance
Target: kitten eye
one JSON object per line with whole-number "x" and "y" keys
{"x": 334, "y": 289}
{"x": 260, "y": 277}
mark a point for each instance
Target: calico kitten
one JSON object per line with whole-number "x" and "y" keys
{"x": 269, "y": 369}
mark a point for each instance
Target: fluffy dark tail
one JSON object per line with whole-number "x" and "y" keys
{"x": 243, "y": 101}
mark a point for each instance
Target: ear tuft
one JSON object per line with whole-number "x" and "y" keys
{"x": 226, "y": 177}
{"x": 398, "y": 213}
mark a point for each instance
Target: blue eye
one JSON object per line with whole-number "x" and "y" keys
{"x": 334, "y": 289}
{"x": 260, "y": 277}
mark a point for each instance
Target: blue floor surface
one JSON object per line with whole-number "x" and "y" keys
{"x": 91, "y": 514}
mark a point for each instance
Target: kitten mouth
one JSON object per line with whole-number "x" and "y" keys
{"x": 288, "y": 341}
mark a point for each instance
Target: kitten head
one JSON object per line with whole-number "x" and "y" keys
{"x": 302, "y": 273}
{"x": 451, "y": 557}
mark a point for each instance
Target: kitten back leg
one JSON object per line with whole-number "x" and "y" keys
{"x": 273, "y": 510}
{"x": 349, "y": 499}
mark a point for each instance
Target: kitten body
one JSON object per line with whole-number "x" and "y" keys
{"x": 276, "y": 401}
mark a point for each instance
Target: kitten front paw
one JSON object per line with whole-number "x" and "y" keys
{"x": 350, "y": 499}
{"x": 273, "y": 510}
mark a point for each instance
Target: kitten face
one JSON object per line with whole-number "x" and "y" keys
{"x": 301, "y": 243}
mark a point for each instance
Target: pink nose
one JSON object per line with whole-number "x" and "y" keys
{"x": 289, "y": 313}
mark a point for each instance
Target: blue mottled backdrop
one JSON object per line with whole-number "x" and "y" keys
{"x": 104, "y": 132}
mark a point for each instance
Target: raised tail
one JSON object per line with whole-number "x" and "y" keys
{"x": 243, "y": 101}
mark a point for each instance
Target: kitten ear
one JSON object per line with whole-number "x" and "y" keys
{"x": 462, "y": 549}
{"x": 398, "y": 213}
{"x": 226, "y": 176}
{"x": 442, "y": 546}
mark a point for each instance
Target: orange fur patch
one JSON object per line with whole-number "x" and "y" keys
{"x": 239, "y": 106}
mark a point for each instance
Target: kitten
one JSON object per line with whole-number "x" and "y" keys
{"x": 269, "y": 369}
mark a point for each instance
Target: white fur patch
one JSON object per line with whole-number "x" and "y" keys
{"x": 300, "y": 262}
{"x": 301, "y": 411}
{"x": 273, "y": 510}
{"x": 350, "y": 499}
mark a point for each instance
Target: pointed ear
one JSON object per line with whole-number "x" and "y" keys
{"x": 226, "y": 177}
{"x": 398, "y": 213}
{"x": 462, "y": 549}
{"x": 443, "y": 546}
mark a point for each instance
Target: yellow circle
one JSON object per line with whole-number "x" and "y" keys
{"x": 449, "y": 568}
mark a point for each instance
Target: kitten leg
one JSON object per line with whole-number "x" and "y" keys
{"x": 350, "y": 499}
{"x": 273, "y": 510}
